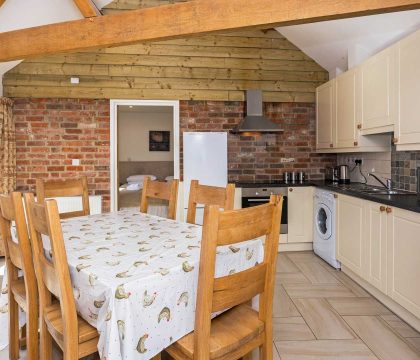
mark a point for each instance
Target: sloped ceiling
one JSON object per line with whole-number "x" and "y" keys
{"x": 330, "y": 43}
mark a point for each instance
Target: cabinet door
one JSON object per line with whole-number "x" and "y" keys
{"x": 378, "y": 98}
{"x": 300, "y": 203}
{"x": 375, "y": 241}
{"x": 408, "y": 132}
{"x": 346, "y": 128}
{"x": 404, "y": 259}
{"x": 325, "y": 114}
{"x": 349, "y": 233}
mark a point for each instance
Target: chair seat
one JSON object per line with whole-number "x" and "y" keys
{"x": 19, "y": 292}
{"x": 54, "y": 322}
{"x": 229, "y": 332}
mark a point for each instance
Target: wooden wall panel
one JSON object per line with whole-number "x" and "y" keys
{"x": 211, "y": 67}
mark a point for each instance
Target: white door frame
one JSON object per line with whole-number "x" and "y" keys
{"x": 114, "y": 139}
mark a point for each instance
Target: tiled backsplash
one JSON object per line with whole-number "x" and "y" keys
{"x": 378, "y": 163}
{"x": 403, "y": 169}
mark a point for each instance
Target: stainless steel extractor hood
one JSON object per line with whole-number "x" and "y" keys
{"x": 255, "y": 121}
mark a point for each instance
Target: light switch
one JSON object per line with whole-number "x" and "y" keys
{"x": 75, "y": 162}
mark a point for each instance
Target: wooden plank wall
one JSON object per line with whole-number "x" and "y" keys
{"x": 212, "y": 67}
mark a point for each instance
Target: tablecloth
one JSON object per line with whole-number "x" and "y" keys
{"x": 135, "y": 278}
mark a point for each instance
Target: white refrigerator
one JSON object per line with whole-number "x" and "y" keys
{"x": 205, "y": 160}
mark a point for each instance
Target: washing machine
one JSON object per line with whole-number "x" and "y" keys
{"x": 324, "y": 226}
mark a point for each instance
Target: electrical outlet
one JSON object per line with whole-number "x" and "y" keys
{"x": 358, "y": 161}
{"x": 75, "y": 162}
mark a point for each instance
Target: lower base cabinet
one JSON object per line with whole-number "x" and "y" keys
{"x": 381, "y": 244}
{"x": 375, "y": 234}
{"x": 404, "y": 259}
{"x": 300, "y": 202}
{"x": 350, "y": 233}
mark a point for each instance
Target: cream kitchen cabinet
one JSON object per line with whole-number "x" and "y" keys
{"x": 377, "y": 93}
{"x": 338, "y": 131}
{"x": 325, "y": 115}
{"x": 350, "y": 226}
{"x": 403, "y": 265}
{"x": 407, "y": 132}
{"x": 300, "y": 214}
{"x": 375, "y": 244}
{"x": 346, "y": 134}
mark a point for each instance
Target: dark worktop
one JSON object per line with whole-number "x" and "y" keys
{"x": 409, "y": 201}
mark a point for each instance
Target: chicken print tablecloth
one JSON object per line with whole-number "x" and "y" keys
{"x": 135, "y": 278}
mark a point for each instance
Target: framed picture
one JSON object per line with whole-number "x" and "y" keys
{"x": 159, "y": 140}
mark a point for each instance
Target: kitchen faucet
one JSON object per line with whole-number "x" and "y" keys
{"x": 388, "y": 184}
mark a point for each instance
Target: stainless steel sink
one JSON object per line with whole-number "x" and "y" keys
{"x": 385, "y": 192}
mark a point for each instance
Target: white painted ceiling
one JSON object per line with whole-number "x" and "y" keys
{"x": 330, "y": 43}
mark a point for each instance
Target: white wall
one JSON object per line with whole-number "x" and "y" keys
{"x": 133, "y": 136}
{"x": 377, "y": 163}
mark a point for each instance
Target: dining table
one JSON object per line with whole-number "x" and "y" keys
{"x": 135, "y": 278}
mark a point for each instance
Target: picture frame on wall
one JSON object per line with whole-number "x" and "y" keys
{"x": 159, "y": 140}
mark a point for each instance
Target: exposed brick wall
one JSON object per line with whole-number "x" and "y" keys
{"x": 52, "y": 132}
{"x": 259, "y": 158}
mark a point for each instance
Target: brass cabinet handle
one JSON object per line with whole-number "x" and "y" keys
{"x": 382, "y": 208}
{"x": 331, "y": 145}
{"x": 394, "y": 140}
{"x": 359, "y": 126}
{"x": 290, "y": 189}
{"x": 388, "y": 210}
{"x": 335, "y": 196}
{"x": 355, "y": 143}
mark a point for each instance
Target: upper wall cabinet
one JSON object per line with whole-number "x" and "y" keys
{"x": 345, "y": 86}
{"x": 337, "y": 113}
{"x": 371, "y": 101}
{"x": 325, "y": 115}
{"x": 377, "y": 93}
{"x": 407, "y": 132}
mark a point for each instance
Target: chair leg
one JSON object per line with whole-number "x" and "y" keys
{"x": 13, "y": 329}
{"x": 266, "y": 351}
{"x": 45, "y": 342}
{"x": 32, "y": 336}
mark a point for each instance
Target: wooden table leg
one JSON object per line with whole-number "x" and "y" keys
{"x": 157, "y": 357}
{"x": 248, "y": 356}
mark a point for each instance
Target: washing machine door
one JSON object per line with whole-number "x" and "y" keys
{"x": 323, "y": 221}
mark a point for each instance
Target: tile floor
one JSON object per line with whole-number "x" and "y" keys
{"x": 321, "y": 314}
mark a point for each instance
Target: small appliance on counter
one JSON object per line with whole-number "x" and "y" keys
{"x": 294, "y": 177}
{"x": 331, "y": 174}
{"x": 343, "y": 174}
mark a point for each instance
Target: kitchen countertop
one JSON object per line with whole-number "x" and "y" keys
{"x": 409, "y": 201}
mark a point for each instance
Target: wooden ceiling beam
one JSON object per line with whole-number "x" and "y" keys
{"x": 181, "y": 20}
{"x": 87, "y": 8}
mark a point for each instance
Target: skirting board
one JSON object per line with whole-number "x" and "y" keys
{"x": 284, "y": 247}
{"x": 404, "y": 314}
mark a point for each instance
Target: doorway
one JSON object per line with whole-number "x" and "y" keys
{"x": 144, "y": 142}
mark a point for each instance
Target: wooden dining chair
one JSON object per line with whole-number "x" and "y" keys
{"x": 58, "y": 319}
{"x": 65, "y": 188}
{"x": 22, "y": 288}
{"x": 209, "y": 195}
{"x": 161, "y": 190}
{"x": 237, "y": 331}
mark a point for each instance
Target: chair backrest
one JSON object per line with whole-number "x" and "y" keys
{"x": 63, "y": 188}
{"x": 162, "y": 190}
{"x": 52, "y": 271}
{"x": 18, "y": 254}
{"x": 228, "y": 228}
{"x": 209, "y": 195}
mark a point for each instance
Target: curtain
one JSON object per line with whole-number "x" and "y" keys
{"x": 7, "y": 151}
